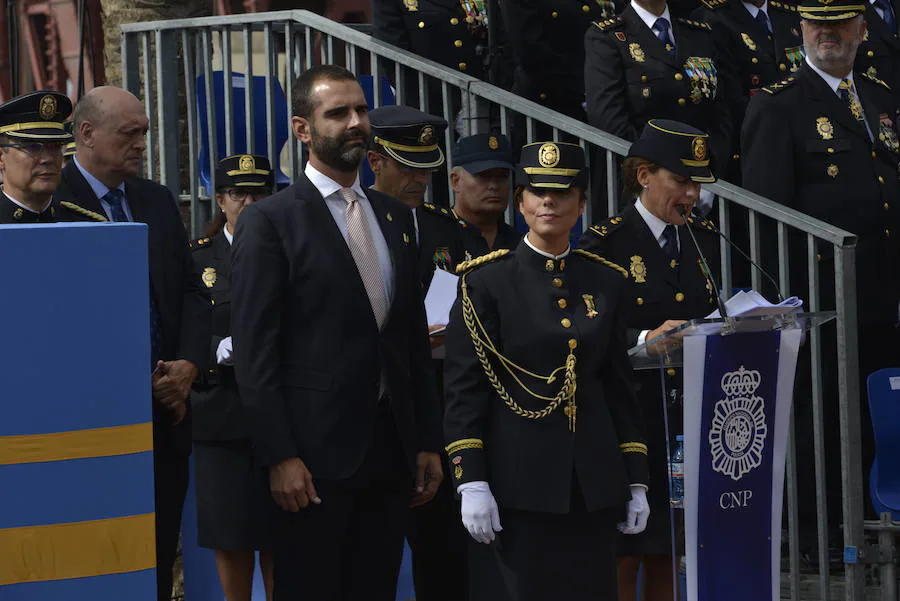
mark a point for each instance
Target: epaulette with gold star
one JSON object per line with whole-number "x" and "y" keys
{"x": 607, "y": 226}
{"x": 874, "y": 79}
{"x": 482, "y": 260}
{"x": 82, "y": 211}
{"x": 702, "y": 223}
{"x": 609, "y": 24}
{"x": 437, "y": 210}
{"x": 601, "y": 260}
{"x": 780, "y": 86}
{"x": 694, "y": 24}
{"x": 713, "y": 4}
{"x": 783, "y": 6}
{"x": 200, "y": 243}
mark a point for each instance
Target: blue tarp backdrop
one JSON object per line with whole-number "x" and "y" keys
{"x": 76, "y": 465}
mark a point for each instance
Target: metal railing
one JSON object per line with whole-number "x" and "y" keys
{"x": 162, "y": 59}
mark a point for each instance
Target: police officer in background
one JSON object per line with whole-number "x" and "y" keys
{"x": 879, "y": 53}
{"x": 546, "y": 40}
{"x": 825, "y": 142}
{"x": 482, "y": 165}
{"x": 760, "y": 41}
{"x": 69, "y": 149}
{"x": 647, "y": 64}
{"x": 32, "y": 137}
{"x": 404, "y": 153}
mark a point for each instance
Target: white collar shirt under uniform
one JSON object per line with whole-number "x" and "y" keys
{"x": 650, "y": 19}
{"x": 100, "y": 190}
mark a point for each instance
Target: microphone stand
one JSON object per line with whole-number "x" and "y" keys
{"x": 728, "y": 327}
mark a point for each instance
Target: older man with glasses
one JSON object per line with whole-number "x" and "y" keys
{"x": 32, "y": 137}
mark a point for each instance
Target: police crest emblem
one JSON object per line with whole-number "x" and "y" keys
{"x": 411, "y": 5}
{"x": 737, "y": 435}
{"x": 548, "y": 155}
{"x": 47, "y": 108}
{"x": 638, "y": 269}
{"x": 247, "y": 163}
{"x": 698, "y": 148}
{"x": 426, "y": 136}
{"x": 493, "y": 143}
{"x": 825, "y": 128}
{"x": 209, "y": 276}
{"x": 637, "y": 53}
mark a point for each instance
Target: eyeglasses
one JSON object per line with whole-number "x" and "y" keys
{"x": 35, "y": 149}
{"x": 237, "y": 194}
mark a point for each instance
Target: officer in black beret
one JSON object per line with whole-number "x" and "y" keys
{"x": 662, "y": 177}
{"x": 232, "y": 496}
{"x": 544, "y": 434}
{"x": 32, "y": 136}
{"x": 825, "y": 142}
{"x": 405, "y": 152}
{"x": 482, "y": 165}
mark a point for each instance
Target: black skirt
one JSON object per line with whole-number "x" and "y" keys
{"x": 234, "y": 507}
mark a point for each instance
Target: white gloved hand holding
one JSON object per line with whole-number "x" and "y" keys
{"x": 480, "y": 514}
{"x": 638, "y": 511}
{"x": 224, "y": 352}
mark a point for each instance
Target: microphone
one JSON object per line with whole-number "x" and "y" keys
{"x": 704, "y": 266}
{"x": 752, "y": 262}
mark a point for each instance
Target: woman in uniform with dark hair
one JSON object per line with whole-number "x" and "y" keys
{"x": 545, "y": 439}
{"x": 232, "y": 495}
{"x": 662, "y": 177}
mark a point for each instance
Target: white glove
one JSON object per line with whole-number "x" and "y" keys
{"x": 480, "y": 514}
{"x": 224, "y": 352}
{"x": 638, "y": 511}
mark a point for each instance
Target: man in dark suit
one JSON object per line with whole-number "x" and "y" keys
{"x": 332, "y": 358}
{"x": 31, "y": 144}
{"x": 101, "y": 184}
{"x": 824, "y": 142}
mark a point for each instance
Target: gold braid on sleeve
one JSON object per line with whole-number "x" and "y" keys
{"x": 481, "y": 341}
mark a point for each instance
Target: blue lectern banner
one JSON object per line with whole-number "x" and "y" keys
{"x": 76, "y": 460}
{"x": 737, "y": 406}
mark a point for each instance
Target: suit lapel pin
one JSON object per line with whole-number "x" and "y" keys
{"x": 390, "y": 217}
{"x": 405, "y": 237}
{"x": 620, "y": 36}
{"x": 209, "y": 276}
{"x": 590, "y": 308}
{"x": 832, "y": 171}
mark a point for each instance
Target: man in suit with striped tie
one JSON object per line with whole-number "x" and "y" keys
{"x": 332, "y": 357}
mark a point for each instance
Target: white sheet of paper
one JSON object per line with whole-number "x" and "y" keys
{"x": 440, "y": 298}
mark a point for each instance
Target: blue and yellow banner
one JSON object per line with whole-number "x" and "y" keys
{"x": 76, "y": 439}
{"x": 737, "y": 399}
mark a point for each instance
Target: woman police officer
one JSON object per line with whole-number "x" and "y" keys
{"x": 543, "y": 428}
{"x": 232, "y": 495}
{"x": 662, "y": 177}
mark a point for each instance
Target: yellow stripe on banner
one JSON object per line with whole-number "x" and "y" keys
{"x": 77, "y": 444}
{"x": 77, "y": 550}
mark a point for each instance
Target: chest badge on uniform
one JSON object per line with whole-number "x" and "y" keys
{"x": 795, "y": 57}
{"x": 872, "y": 72}
{"x": 825, "y": 128}
{"x": 638, "y": 269}
{"x": 411, "y": 5}
{"x": 493, "y": 143}
{"x": 589, "y": 307}
{"x": 637, "y": 53}
{"x": 405, "y": 238}
{"x": 703, "y": 76}
{"x": 832, "y": 171}
{"x": 749, "y": 41}
{"x": 886, "y": 133}
{"x": 389, "y": 217}
{"x": 548, "y": 155}
{"x": 209, "y": 276}
{"x": 17, "y": 214}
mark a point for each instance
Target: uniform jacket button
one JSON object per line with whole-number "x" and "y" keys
{"x": 457, "y": 43}
{"x": 565, "y": 322}
{"x": 562, "y": 303}
{"x": 454, "y": 21}
{"x": 679, "y": 77}
{"x": 462, "y": 66}
{"x": 679, "y": 297}
{"x": 682, "y": 102}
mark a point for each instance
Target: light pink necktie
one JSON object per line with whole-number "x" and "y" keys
{"x": 359, "y": 239}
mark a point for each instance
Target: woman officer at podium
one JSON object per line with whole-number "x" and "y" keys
{"x": 544, "y": 434}
{"x": 662, "y": 175}
{"x": 232, "y": 496}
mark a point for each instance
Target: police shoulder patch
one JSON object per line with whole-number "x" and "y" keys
{"x": 601, "y": 260}
{"x": 874, "y": 79}
{"x": 712, "y": 4}
{"x": 200, "y": 243}
{"x": 482, "y": 260}
{"x": 780, "y": 86}
{"x": 694, "y": 24}
{"x": 606, "y": 227}
{"x": 703, "y": 223}
{"x": 609, "y": 24}
{"x": 780, "y": 6}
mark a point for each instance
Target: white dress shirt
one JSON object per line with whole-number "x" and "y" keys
{"x": 228, "y": 235}
{"x": 100, "y": 189}
{"x": 546, "y": 254}
{"x": 753, "y": 9}
{"x": 650, "y": 19}
{"x": 337, "y": 206}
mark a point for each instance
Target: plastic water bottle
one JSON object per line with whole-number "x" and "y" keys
{"x": 676, "y": 474}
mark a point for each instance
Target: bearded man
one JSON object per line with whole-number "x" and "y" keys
{"x": 824, "y": 142}
{"x": 332, "y": 357}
